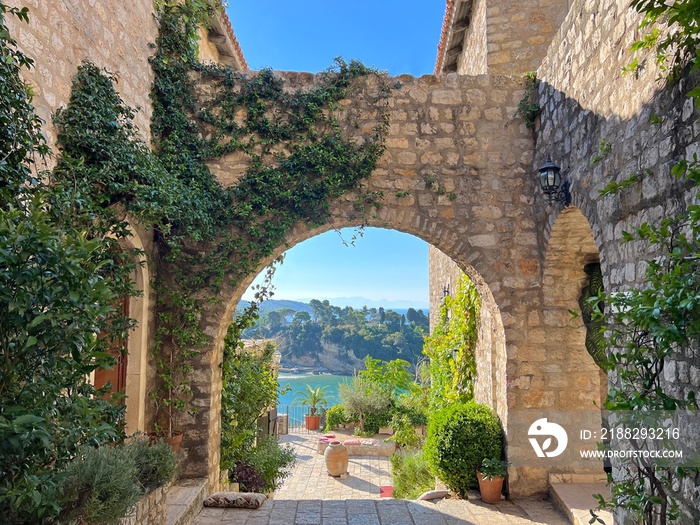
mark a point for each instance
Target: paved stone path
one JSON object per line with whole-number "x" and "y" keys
{"x": 310, "y": 497}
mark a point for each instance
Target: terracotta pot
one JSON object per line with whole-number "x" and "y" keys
{"x": 490, "y": 489}
{"x": 312, "y": 422}
{"x": 173, "y": 438}
{"x": 336, "y": 457}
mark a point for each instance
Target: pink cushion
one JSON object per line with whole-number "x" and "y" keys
{"x": 329, "y": 436}
{"x": 351, "y": 442}
{"x": 324, "y": 440}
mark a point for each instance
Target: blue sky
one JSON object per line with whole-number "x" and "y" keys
{"x": 306, "y": 35}
{"x": 384, "y": 266}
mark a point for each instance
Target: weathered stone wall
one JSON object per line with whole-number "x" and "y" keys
{"x": 455, "y": 147}
{"x": 444, "y": 274}
{"x": 150, "y": 510}
{"x": 519, "y": 33}
{"x": 208, "y": 51}
{"x": 474, "y": 59}
{"x": 596, "y": 123}
{"x": 113, "y": 34}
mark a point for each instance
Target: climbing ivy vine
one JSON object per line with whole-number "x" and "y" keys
{"x": 65, "y": 232}
{"x": 62, "y": 275}
{"x": 299, "y": 158}
{"x": 451, "y": 348}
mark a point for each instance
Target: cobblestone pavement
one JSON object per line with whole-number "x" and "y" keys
{"x": 311, "y": 497}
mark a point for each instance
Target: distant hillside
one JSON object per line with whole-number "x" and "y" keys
{"x": 277, "y": 304}
{"x": 358, "y": 302}
{"x": 404, "y": 311}
{"x": 322, "y": 334}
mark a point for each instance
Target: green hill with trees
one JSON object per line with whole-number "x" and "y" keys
{"x": 379, "y": 333}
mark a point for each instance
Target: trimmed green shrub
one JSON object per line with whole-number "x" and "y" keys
{"x": 459, "y": 437}
{"x": 335, "y": 416}
{"x": 156, "y": 463}
{"x": 411, "y": 475}
{"x": 101, "y": 487}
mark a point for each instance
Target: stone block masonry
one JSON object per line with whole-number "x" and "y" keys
{"x": 597, "y": 124}
{"x": 113, "y": 34}
{"x": 150, "y": 509}
{"x": 458, "y": 172}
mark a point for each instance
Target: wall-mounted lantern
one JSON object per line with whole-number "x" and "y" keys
{"x": 445, "y": 290}
{"x": 556, "y": 189}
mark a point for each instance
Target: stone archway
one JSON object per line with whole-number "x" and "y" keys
{"x": 456, "y": 173}
{"x": 571, "y": 247}
{"x": 507, "y": 296}
{"x": 491, "y": 355}
{"x": 560, "y": 381}
{"x": 130, "y": 375}
{"x": 137, "y": 367}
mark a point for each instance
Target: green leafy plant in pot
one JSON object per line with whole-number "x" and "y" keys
{"x": 172, "y": 395}
{"x": 313, "y": 398}
{"x": 491, "y": 475}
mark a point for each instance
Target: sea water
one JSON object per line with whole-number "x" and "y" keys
{"x": 298, "y": 382}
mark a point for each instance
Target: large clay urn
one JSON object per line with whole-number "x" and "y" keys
{"x": 336, "y": 457}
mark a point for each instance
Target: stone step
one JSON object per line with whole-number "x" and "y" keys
{"x": 576, "y": 501}
{"x": 183, "y": 501}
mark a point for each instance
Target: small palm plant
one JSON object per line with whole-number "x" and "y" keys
{"x": 312, "y": 397}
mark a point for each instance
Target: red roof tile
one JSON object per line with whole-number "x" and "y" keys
{"x": 446, "y": 25}
{"x": 234, "y": 41}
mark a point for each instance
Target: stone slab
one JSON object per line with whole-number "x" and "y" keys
{"x": 576, "y": 501}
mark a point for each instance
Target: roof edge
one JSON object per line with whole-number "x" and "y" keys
{"x": 229, "y": 47}
{"x": 444, "y": 36}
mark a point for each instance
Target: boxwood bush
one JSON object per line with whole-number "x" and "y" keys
{"x": 459, "y": 437}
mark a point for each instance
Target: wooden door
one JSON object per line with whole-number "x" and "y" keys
{"x": 116, "y": 375}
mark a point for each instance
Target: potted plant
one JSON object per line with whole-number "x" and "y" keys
{"x": 491, "y": 475}
{"x": 313, "y": 398}
{"x": 172, "y": 394}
